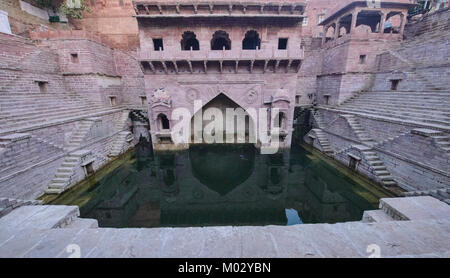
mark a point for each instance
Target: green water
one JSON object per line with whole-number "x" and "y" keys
{"x": 220, "y": 185}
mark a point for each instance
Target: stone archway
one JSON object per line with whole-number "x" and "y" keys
{"x": 220, "y": 40}
{"x": 189, "y": 41}
{"x": 251, "y": 40}
{"x": 222, "y": 102}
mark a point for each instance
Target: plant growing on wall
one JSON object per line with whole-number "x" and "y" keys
{"x": 74, "y": 8}
{"x": 71, "y": 8}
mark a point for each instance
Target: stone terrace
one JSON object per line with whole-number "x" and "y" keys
{"x": 406, "y": 227}
{"x": 24, "y": 111}
{"x": 431, "y": 109}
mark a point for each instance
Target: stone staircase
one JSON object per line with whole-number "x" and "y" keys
{"x": 428, "y": 85}
{"x": 19, "y": 150}
{"x": 8, "y": 204}
{"x": 136, "y": 115}
{"x": 442, "y": 194}
{"x": 40, "y": 217}
{"x": 319, "y": 120}
{"x": 427, "y": 109}
{"x": 359, "y": 130}
{"x": 118, "y": 145}
{"x": 377, "y": 166}
{"x": 323, "y": 141}
{"x": 64, "y": 174}
{"x": 408, "y": 209}
{"x": 413, "y": 74}
{"x": 80, "y": 134}
{"x": 442, "y": 141}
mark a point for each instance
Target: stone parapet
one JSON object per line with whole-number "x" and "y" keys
{"x": 219, "y": 8}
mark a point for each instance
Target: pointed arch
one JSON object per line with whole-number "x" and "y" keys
{"x": 251, "y": 40}
{"x": 220, "y": 40}
{"x": 189, "y": 41}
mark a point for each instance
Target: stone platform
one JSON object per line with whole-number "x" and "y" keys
{"x": 54, "y": 231}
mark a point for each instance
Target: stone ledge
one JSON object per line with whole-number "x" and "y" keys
{"x": 15, "y": 137}
{"x": 426, "y": 132}
{"x": 415, "y": 208}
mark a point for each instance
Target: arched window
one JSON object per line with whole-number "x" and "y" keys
{"x": 189, "y": 41}
{"x": 329, "y": 32}
{"x": 220, "y": 40}
{"x": 251, "y": 40}
{"x": 163, "y": 122}
{"x": 280, "y": 120}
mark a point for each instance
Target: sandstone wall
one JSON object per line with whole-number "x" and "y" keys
{"x": 22, "y": 64}
{"x": 37, "y": 159}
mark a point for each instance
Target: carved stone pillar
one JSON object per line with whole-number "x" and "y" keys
{"x": 354, "y": 19}
{"x": 382, "y": 22}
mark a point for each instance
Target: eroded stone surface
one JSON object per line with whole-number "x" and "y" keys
{"x": 25, "y": 236}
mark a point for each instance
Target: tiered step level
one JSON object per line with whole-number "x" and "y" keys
{"x": 424, "y": 108}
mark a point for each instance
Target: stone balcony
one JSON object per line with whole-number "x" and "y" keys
{"x": 261, "y": 60}
{"x": 268, "y": 53}
{"x": 214, "y": 9}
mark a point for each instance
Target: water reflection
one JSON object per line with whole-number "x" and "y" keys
{"x": 220, "y": 185}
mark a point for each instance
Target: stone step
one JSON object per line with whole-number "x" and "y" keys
{"x": 387, "y": 178}
{"x": 412, "y": 113}
{"x": 396, "y": 118}
{"x": 415, "y": 208}
{"x": 53, "y": 191}
{"x": 381, "y": 173}
{"x": 57, "y": 186}
{"x": 46, "y": 119}
{"x": 63, "y": 174}
{"x": 31, "y": 113}
{"x": 401, "y": 105}
{"x": 65, "y": 169}
{"x": 39, "y": 217}
{"x": 373, "y": 158}
{"x": 442, "y": 138}
{"x": 71, "y": 159}
{"x": 407, "y": 96}
{"x": 424, "y": 112}
{"x": 425, "y": 99}
{"x": 412, "y": 100}
{"x": 424, "y": 118}
{"x": 4, "y": 211}
{"x": 60, "y": 180}
{"x": 69, "y": 164}
{"x": 375, "y": 162}
{"x": 376, "y": 216}
{"x": 26, "y": 126}
{"x": 83, "y": 223}
{"x": 389, "y": 183}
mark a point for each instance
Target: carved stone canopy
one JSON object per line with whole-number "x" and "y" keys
{"x": 281, "y": 95}
{"x": 161, "y": 97}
